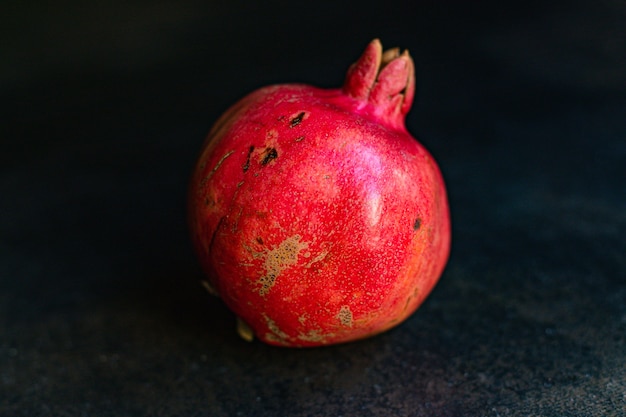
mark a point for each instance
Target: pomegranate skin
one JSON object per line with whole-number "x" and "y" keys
{"x": 316, "y": 216}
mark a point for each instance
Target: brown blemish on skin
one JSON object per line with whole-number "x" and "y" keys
{"x": 268, "y": 155}
{"x": 345, "y": 316}
{"x": 279, "y": 259}
{"x": 417, "y": 224}
{"x": 267, "y": 282}
{"x": 246, "y": 165}
{"x": 297, "y": 120}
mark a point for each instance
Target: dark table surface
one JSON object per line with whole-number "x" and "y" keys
{"x": 104, "y": 109}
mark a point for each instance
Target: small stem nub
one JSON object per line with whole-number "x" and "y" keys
{"x": 244, "y": 331}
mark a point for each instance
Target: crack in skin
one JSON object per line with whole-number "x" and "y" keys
{"x": 246, "y": 166}
{"x": 214, "y": 235}
{"x": 215, "y": 168}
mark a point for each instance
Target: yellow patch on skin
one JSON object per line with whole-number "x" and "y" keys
{"x": 271, "y": 337}
{"x": 276, "y": 334}
{"x": 345, "y": 316}
{"x": 318, "y": 258}
{"x": 312, "y": 336}
{"x": 278, "y": 259}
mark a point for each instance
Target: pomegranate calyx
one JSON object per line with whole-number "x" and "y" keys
{"x": 386, "y": 80}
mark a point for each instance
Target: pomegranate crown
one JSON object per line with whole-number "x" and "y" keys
{"x": 386, "y": 80}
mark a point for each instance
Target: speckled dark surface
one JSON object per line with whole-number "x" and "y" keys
{"x": 104, "y": 108}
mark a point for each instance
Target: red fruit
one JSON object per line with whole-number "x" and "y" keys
{"x": 317, "y": 217}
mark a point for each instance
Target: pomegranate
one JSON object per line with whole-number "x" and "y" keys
{"x": 317, "y": 217}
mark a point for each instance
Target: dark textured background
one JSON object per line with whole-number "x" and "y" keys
{"x": 103, "y": 112}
